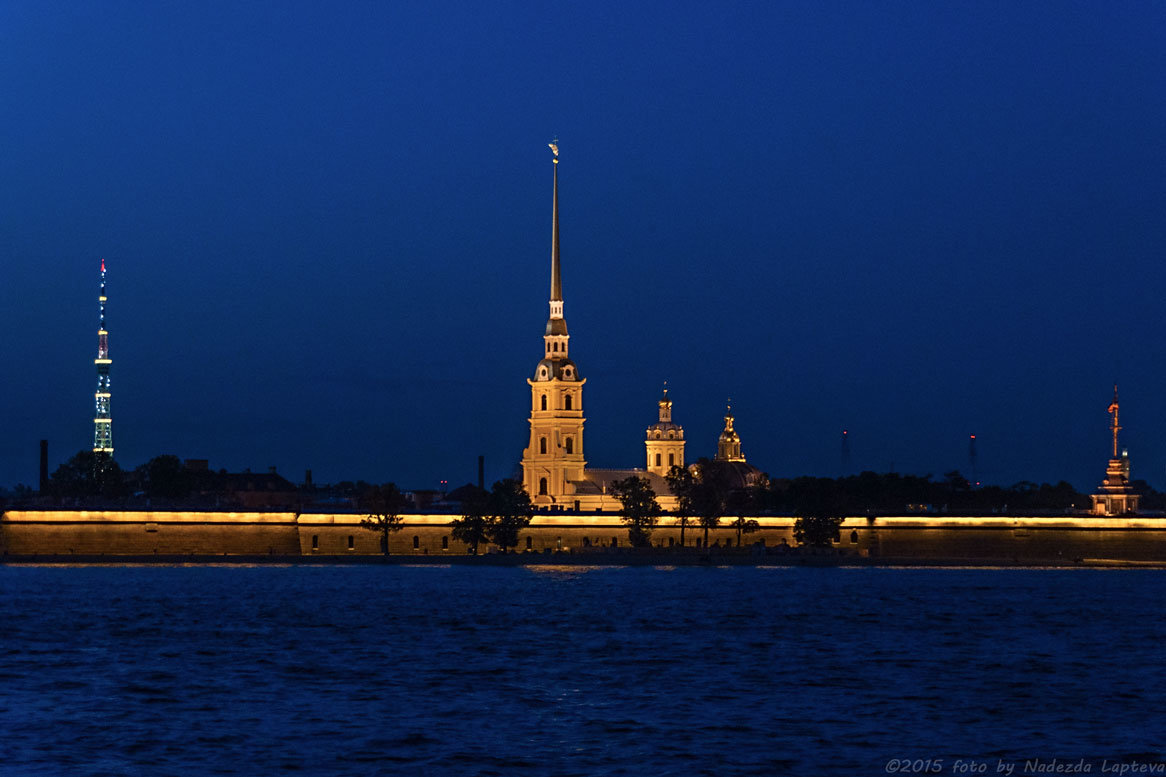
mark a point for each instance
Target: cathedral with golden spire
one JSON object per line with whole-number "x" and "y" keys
{"x": 554, "y": 457}
{"x": 554, "y": 470}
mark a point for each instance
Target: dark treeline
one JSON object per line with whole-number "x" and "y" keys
{"x": 872, "y": 493}
{"x": 83, "y": 479}
{"x": 89, "y": 480}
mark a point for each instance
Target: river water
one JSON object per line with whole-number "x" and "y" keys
{"x": 576, "y": 671}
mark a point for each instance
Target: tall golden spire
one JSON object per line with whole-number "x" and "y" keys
{"x": 556, "y": 280}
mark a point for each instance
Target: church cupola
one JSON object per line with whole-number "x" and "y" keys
{"x": 665, "y": 440}
{"x": 729, "y": 444}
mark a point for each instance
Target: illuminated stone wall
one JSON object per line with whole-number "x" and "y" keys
{"x": 66, "y": 532}
{"x": 212, "y": 533}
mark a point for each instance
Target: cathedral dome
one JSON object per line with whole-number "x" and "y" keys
{"x": 665, "y": 430}
{"x": 563, "y": 369}
{"x": 736, "y": 474}
{"x": 742, "y": 475}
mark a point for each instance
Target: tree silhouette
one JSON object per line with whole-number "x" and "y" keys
{"x": 88, "y": 474}
{"x": 641, "y": 511}
{"x": 819, "y": 517}
{"x": 710, "y": 494}
{"x": 476, "y": 523}
{"x": 164, "y": 477}
{"x": 382, "y": 506}
{"x": 681, "y": 483}
{"x": 512, "y": 512}
{"x": 740, "y": 503}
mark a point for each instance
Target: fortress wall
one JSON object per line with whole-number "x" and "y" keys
{"x": 67, "y": 532}
{"x": 328, "y": 534}
{"x": 1035, "y": 539}
{"x": 1020, "y": 544}
{"x": 424, "y": 534}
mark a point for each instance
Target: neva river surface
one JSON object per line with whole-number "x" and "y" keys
{"x": 548, "y": 670}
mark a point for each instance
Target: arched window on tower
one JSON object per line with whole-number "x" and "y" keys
{"x": 570, "y": 445}
{"x": 542, "y": 486}
{"x": 544, "y": 401}
{"x": 542, "y": 445}
{"x": 671, "y": 460}
{"x": 567, "y": 402}
{"x": 657, "y": 459}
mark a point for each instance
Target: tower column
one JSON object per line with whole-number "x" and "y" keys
{"x": 102, "y": 418}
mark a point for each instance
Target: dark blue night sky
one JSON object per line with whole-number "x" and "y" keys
{"x": 328, "y": 230}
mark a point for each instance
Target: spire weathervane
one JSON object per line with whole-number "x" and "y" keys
{"x": 554, "y": 146}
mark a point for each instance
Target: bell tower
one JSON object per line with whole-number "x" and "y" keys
{"x": 729, "y": 444}
{"x": 554, "y": 458}
{"x": 665, "y": 440}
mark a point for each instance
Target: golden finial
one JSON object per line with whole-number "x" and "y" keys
{"x": 554, "y": 146}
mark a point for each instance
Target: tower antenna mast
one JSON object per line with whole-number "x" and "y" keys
{"x": 102, "y": 420}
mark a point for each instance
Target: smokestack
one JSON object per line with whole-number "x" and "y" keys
{"x": 482, "y": 472}
{"x": 44, "y": 465}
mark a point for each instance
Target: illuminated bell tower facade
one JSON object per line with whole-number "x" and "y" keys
{"x": 665, "y": 440}
{"x": 553, "y": 460}
{"x": 102, "y": 420}
{"x": 729, "y": 444}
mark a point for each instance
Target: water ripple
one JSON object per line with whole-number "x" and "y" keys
{"x": 569, "y": 671}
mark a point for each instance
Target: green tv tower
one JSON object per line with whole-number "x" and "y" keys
{"x": 102, "y": 421}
